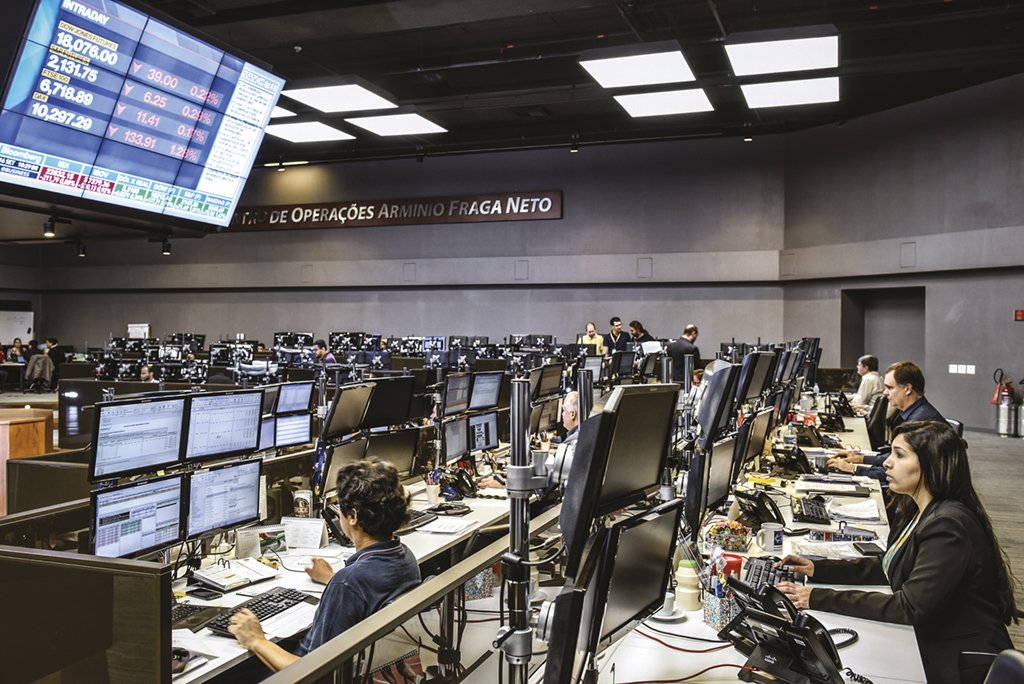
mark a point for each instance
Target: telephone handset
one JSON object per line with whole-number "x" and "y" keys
{"x": 756, "y": 508}
{"x": 792, "y": 459}
{"x": 332, "y": 514}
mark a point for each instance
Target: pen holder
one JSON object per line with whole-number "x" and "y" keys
{"x": 719, "y": 612}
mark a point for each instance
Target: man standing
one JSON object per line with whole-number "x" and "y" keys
{"x": 616, "y": 340}
{"x": 680, "y": 348}
{"x": 592, "y": 338}
{"x": 871, "y": 383}
{"x": 904, "y": 388}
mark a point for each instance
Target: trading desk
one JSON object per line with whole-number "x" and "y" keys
{"x": 226, "y": 653}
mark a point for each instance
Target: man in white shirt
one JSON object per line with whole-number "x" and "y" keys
{"x": 871, "y": 385}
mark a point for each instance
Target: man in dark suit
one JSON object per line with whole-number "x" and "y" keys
{"x": 904, "y": 388}
{"x": 680, "y": 348}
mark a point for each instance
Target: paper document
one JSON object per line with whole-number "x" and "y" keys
{"x": 291, "y": 621}
{"x": 862, "y": 511}
{"x": 446, "y": 526}
{"x": 830, "y": 550}
{"x": 231, "y": 574}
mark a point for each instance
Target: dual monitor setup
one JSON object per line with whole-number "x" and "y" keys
{"x": 181, "y": 432}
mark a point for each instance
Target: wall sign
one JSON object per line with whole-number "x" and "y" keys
{"x": 508, "y": 206}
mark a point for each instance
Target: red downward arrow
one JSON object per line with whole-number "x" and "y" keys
{"x": 136, "y": 66}
{"x": 113, "y": 131}
{"x": 120, "y": 109}
{"x": 128, "y": 88}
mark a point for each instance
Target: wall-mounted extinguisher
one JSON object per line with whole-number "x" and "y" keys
{"x": 1003, "y": 393}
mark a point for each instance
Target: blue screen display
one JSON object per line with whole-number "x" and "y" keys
{"x": 109, "y": 104}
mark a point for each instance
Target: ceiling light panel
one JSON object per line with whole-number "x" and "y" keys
{"x": 639, "y": 70}
{"x": 665, "y": 103}
{"x": 311, "y": 131}
{"x": 396, "y": 124}
{"x": 789, "y": 93}
{"x": 340, "y": 98}
{"x": 780, "y": 56}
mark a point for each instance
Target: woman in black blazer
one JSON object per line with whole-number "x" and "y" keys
{"x": 949, "y": 578}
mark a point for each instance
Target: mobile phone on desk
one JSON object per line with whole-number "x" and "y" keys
{"x": 869, "y": 548}
{"x": 204, "y": 594}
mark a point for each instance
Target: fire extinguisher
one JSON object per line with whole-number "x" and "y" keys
{"x": 1004, "y": 390}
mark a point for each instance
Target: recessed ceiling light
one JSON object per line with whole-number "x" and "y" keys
{"x": 396, "y": 124}
{"x": 280, "y": 113}
{"x": 340, "y": 98}
{"x": 664, "y": 103}
{"x": 778, "y": 56}
{"x": 311, "y": 131}
{"x": 294, "y": 163}
{"x": 787, "y": 93}
{"x": 638, "y": 70}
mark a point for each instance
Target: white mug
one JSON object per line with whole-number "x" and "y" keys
{"x": 769, "y": 537}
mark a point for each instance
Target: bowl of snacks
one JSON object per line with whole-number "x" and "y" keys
{"x": 728, "y": 534}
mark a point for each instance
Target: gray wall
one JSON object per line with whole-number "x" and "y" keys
{"x": 746, "y": 240}
{"x": 894, "y": 324}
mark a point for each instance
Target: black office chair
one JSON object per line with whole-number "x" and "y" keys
{"x": 876, "y": 423}
{"x": 1003, "y": 668}
{"x": 956, "y": 425}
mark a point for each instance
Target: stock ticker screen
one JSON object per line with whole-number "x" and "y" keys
{"x": 107, "y": 103}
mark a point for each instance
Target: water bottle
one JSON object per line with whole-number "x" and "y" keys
{"x": 789, "y": 436}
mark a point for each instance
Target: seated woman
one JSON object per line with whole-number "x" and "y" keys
{"x": 373, "y": 506}
{"x": 949, "y": 578}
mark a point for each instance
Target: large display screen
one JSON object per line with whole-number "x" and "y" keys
{"x": 109, "y": 104}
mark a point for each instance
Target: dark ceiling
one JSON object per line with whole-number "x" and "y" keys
{"x": 504, "y": 74}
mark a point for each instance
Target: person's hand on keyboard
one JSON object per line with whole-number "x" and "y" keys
{"x": 850, "y": 456}
{"x": 797, "y": 593}
{"x": 842, "y": 464}
{"x": 320, "y": 571}
{"x": 245, "y": 627}
{"x": 804, "y": 566}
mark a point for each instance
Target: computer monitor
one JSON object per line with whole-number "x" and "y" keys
{"x": 622, "y": 362}
{"x": 719, "y": 472}
{"x": 542, "y": 340}
{"x": 456, "y": 439}
{"x": 786, "y": 357}
{"x": 348, "y": 407}
{"x": 223, "y": 498}
{"x": 390, "y": 403}
{"x": 337, "y": 456}
{"x": 397, "y": 448}
{"x": 294, "y": 397}
{"x": 486, "y": 390}
{"x": 136, "y": 436}
{"x": 223, "y": 424}
{"x": 433, "y": 344}
{"x": 753, "y": 435}
{"x": 594, "y": 364}
{"x": 407, "y": 362}
{"x": 485, "y": 365}
{"x": 134, "y": 519}
{"x": 268, "y": 432}
{"x": 483, "y": 431}
{"x": 754, "y": 376}
{"x": 270, "y": 393}
{"x": 546, "y": 380}
{"x": 456, "y": 393}
{"x": 716, "y": 406}
{"x": 634, "y": 573}
{"x": 619, "y": 459}
{"x": 546, "y": 416}
{"x": 793, "y": 369}
{"x": 292, "y": 430}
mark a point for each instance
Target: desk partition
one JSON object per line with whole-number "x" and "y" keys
{"x": 80, "y": 618}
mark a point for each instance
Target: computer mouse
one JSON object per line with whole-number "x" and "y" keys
{"x": 179, "y": 659}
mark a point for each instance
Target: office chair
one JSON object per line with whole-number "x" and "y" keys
{"x": 1003, "y": 668}
{"x": 876, "y": 422}
{"x": 956, "y": 425}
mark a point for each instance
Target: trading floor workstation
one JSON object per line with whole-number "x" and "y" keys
{"x": 210, "y": 500}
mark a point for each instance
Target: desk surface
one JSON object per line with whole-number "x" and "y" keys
{"x": 227, "y": 653}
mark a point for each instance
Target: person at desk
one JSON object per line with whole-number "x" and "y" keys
{"x": 146, "y": 374}
{"x": 677, "y": 351}
{"x": 373, "y": 506}
{"x": 904, "y": 388}
{"x": 593, "y": 338}
{"x": 616, "y": 340}
{"x": 323, "y": 355}
{"x": 948, "y": 574}
{"x": 639, "y": 333}
{"x": 16, "y": 353}
{"x": 871, "y": 383}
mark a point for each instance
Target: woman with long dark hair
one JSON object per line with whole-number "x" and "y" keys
{"x": 949, "y": 577}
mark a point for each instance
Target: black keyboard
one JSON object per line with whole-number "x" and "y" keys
{"x": 810, "y": 510}
{"x": 758, "y": 571}
{"x": 191, "y": 616}
{"x": 265, "y": 605}
{"x": 416, "y": 519}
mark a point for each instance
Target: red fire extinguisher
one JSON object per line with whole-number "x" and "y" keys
{"x": 1004, "y": 390}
